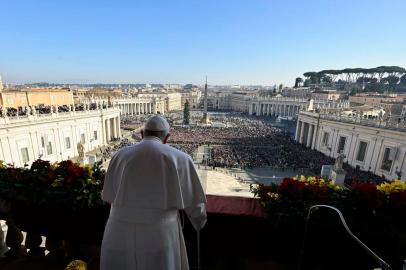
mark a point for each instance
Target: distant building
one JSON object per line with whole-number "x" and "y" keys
{"x": 373, "y": 99}
{"x": 234, "y": 101}
{"x": 329, "y": 95}
{"x": 370, "y": 144}
{"x": 364, "y": 111}
{"x": 141, "y": 105}
{"x": 300, "y": 92}
{"x": 174, "y": 101}
{"x": 239, "y": 101}
{"x": 88, "y": 93}
{"x": 36, "y": 97}
{"x": 290, "y": 107}
{"x": 392, "y": 103}
{"x": 218, "y": 101}
{"x": 193, "y": 96}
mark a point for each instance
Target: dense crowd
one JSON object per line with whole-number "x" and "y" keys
{"x": 42, "y": 109}
{"x": 246, "y": 142}
{"x": 250, "y": 143}
{"x": 106, "y": 152}
{"x": 132, "y": 122}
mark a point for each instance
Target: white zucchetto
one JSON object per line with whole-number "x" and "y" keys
{"x": 157, "y": 123}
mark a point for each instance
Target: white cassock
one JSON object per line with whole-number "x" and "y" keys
{"x": 146, "y": 185}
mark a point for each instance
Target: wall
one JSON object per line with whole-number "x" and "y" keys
{"x": 310, "y": 131}
{"x": 36, "y": 132}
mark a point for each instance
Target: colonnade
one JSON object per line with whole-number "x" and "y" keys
{"x": 279, "y": 109}
{"x": 137, "y": 107}
{"x": 306, "y": 133}
{"x": 290, "y": 107}
{"x": 111, "y": 127}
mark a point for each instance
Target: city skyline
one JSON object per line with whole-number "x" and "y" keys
{"x": 233, "y": 43}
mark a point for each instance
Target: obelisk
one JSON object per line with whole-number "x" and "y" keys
{"x": 205, "y": 120}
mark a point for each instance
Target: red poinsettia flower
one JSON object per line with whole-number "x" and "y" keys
{"x": 367, "y": 195}
{"x": 69, "y": 171}
{"x": 291, "y": 188}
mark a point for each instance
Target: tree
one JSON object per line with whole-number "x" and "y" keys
{"x": 392, "y": 80}
{"x": 403, "y": 80}
{"x": 298, "y": 82}
{"x": 186, "y": 113}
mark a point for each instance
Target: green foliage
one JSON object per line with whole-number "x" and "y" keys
{"x": 382, "y": 78}
{"x": 186, "y": 113}
{"x": 403, "y": 80}
{"x": 64, "y": 184}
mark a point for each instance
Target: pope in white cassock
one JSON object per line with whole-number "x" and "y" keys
{"x": 146, "y": 185}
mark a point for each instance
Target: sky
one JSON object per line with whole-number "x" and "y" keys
{"x": 232, "y": 42}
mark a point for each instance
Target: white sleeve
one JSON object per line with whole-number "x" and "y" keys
{"x": 108, "y": 193}
{"x": 197, "y": 215}
{"x": 196, "y": 211}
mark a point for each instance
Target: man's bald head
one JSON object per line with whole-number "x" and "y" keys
{"x": 156, "y": 126}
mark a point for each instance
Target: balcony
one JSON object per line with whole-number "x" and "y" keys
{"x": 241, "y": 232}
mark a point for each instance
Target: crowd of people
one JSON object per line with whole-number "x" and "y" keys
{"x": 250, "y": 143}
{"x": 42, "y": 109}
{"x": 106, "y": 152}
{"x": 243, "y": 142}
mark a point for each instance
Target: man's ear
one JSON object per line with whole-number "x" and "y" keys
{"x": 142, "y": 133}
{"x": 165, "y": 140}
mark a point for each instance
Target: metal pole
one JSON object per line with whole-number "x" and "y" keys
{"x": 381, "y": 262}
{"x": 198, "y": 250}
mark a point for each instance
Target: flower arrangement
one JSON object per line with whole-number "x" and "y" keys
{"x": 64, "y": 184}
{"x": 293, "y": 196}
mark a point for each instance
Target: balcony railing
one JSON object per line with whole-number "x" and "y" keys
{"x": 384, "y": 123}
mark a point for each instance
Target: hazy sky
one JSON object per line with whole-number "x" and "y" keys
{"x": 170, "y": 41}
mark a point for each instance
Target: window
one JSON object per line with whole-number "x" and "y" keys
{"x": 49, "y": 148}
{"x": 387, "y": 160}
{"x": 326, "y": 136}
{"x": 42, "y": 141}
{"x": 362, "y": 150}
{"x": 95, "y": 134}
{"x": 24, "y": 155}
{"x": 67, "y": 143}
{"x": 82, "y": 138}
{"x": 341, "y": 144}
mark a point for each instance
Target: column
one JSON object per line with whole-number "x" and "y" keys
{"x": 108, "y": 130}
{"x": 298, "y": 126}
{"x": 118, "y": 126}
{"x": 310, "y": 135}
{"x": 103, "y": 135}
{"x": 301, "y": 132}
{"x": 114, "y": 120}
{"x": 314, "y": 137}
